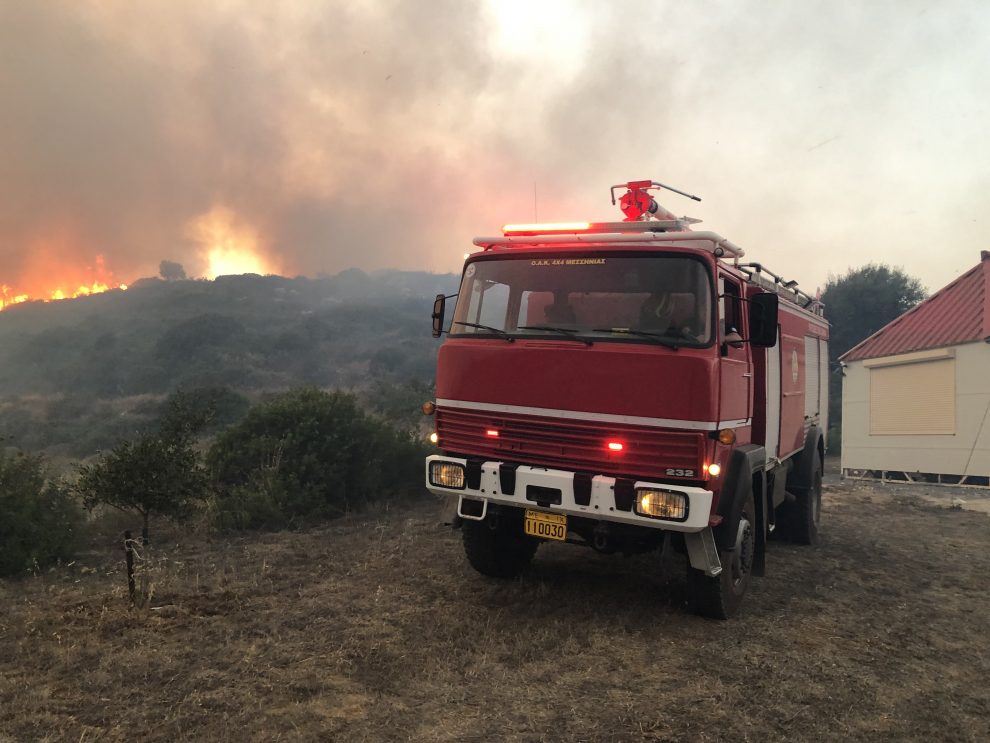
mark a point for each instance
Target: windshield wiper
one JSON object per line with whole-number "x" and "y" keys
{"x": 657, "y": 338}
{"x": 498, "y": 331}
{"x": 554, "y": 329}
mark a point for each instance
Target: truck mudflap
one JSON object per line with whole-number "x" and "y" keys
{"x": 561, "y": 491}
{"x": 703, "y": 553}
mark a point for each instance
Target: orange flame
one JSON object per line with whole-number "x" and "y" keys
{"x": 8, "y": 298}
{"x": 66, "y": 289}
{"x": 227, "y": 245}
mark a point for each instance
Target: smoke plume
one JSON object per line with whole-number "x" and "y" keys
{"x": 316, "y": 137}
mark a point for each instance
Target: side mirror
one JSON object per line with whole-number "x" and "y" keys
{"x": 439, "y": 305}
{"x": 763, "y": 309}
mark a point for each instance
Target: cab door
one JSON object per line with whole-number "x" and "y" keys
{"x": 736, "y": 364}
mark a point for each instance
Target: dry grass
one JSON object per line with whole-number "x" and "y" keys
{"x": 376, "y": 629}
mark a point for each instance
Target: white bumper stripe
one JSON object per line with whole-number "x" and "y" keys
{"x": 601, "y": 506}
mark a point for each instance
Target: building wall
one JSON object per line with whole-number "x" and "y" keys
{"x": 964, "y": 452}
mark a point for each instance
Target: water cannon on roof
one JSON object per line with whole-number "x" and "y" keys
{"x": 646, "y": 222}
{"x": 637, "y": 204}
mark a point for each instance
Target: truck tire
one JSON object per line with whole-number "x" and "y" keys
{"x": 497, "y": 546}
{"x": 798, "y": 520}
{"x": 720, "y": 597}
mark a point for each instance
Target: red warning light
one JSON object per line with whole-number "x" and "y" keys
{"x": 545, "y": 228}
{"x": 492, "y": 433}
{"x": 616, "y": 446}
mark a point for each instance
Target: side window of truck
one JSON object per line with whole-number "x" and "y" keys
{"x": 730, "y": 308}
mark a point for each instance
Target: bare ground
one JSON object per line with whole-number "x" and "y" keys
{"x": 375, "y": 628}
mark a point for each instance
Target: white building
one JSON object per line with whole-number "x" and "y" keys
{"x": 916, "y": 394}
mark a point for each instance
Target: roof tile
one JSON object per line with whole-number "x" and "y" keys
{"x": 957, "y": 313}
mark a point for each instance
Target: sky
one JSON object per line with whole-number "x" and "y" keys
{"x": 305, "y": 137}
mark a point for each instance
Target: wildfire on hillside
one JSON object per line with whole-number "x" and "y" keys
{"x": 81, "y": 283}
{"x": 227, "y": 245}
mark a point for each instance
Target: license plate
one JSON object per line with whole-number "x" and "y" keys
{"x": 546, "y": 525}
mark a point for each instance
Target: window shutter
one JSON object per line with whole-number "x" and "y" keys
{"x": 914, "y": 398}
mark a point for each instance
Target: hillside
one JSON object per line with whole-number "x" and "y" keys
{"x": 78, "y": 375}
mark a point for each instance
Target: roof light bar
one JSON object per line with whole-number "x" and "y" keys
{"x": 714, "y": 241}
{"x": 571, "y": 228}
{"x": 548, "y": 227}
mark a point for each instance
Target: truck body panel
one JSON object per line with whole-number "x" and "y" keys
{"x": 639, "y": 381}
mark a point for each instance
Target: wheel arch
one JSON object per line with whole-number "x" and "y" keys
{"x": 747, "y": 469}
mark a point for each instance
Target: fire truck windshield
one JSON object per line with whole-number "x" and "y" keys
{"x": 652, "y": 298}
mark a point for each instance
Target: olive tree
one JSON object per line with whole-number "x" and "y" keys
{"x": 154, "y": 475}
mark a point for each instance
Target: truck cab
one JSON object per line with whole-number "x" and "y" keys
{"x": 607, "y": 385}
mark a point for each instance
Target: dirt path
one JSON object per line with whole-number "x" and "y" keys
{"x": 376, "y": 629}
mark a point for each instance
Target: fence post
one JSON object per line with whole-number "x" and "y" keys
{"x": 129, "y": 554}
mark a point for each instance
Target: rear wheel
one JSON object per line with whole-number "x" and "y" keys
{"x": 497, "y": 546}
{"x": 720, "y": 597}
{"x": 798, "y": 520}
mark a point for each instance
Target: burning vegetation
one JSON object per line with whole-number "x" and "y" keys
{"x": 225, "y": 245}
{"x": 80, "y": 283}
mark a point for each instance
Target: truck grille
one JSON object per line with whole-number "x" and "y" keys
{"x": 569, "y": 444}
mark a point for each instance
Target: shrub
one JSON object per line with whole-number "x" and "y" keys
{"x": 192, "y": 411}
{"x": 155, "y": 476}
{"x": 308, "y": 455}
{"x": 38, "y": 519}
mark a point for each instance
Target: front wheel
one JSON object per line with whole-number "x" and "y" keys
{"x": 721, "y": 596}
{"x": 497, "y": 546}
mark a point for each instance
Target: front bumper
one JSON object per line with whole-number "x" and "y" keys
{"x": 602, "y": 504}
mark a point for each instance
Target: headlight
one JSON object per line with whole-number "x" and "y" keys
{"x": 662, "y": 504}
{"x": 447, "y": 475}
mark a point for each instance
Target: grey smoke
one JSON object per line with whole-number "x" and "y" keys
{"x": 386, "y": 134}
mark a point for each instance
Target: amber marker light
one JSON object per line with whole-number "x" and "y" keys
{"x": 429, "y": 407}
{"x": 727, "y": 436}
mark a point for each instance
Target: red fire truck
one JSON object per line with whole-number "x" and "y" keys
{"x": 623, "y": 384}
